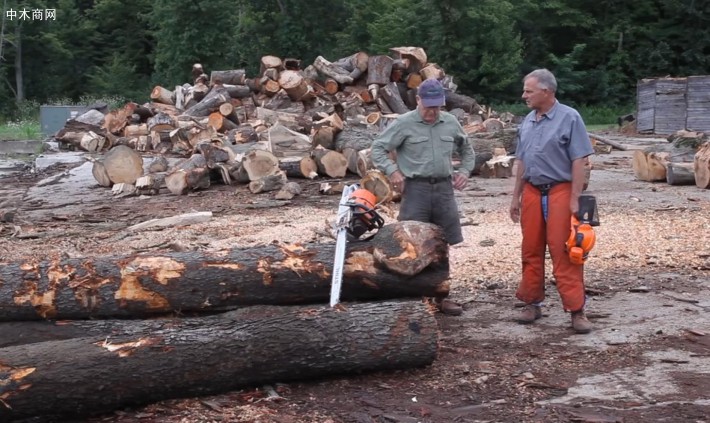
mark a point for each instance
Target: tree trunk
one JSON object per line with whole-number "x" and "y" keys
{"x": 330, "y": 163}
{"x": 270, "y": 62}
{"x": 404, "y": 259}
{"x": 294, "y": 84}
{"x": 237, "y": 91}
{"x": 182, "y": 358}
{"x": 702, "y": 166}
{"x": 329, "y": 69}
{"x": 356, "y": 64}
{"x": 680, "y": 174}
{"x": 460, "y": 101}
{"x": 190, "y": 174}
{"x": 390, "y": 93}
{"x": 123, "y": 165}
{"x": 379, "y": 69}
{"x": 160, "y": 122}
{"x": 219, "y": 122}
{"x": 299, "y": 167}
{"x": 230, "y": 77}
{"x": 162, "y": 95}
{"x": 268, "y": 183}
{"x": 215, "y": 98}
{"x": 260, "y": 163}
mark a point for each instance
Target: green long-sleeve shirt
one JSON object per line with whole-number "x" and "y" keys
{"x": 423, "y": 150}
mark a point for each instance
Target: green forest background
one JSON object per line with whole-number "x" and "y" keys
{"x": 119, "y": 49}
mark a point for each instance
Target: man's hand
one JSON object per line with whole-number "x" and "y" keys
{"x": 460, "y": 181}
{"x": 515, "y": 209}
{"x": 397, "y": 180}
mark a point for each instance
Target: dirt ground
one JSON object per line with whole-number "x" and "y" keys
{"x": 648, "y": 282}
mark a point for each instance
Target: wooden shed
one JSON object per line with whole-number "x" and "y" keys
{"x": 666, "y": 105}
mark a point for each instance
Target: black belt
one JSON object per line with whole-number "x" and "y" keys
{"x": 545, "y": 188}
{"x": 430, "y": 180}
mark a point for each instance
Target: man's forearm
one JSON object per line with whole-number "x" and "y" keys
{"x": 578, "y": 176}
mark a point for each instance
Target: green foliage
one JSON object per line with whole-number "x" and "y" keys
{"x": 604, "y": 115}
{"x": 20, "y": 130}
{"x": 118, "y": 78}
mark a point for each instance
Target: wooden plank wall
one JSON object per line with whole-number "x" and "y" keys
{"x": 646, "y": 105}
{"x": 698, "y": 110}
{"x": 667, "y": 105}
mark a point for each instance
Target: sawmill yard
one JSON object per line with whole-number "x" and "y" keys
{"x": 648, "y": 281}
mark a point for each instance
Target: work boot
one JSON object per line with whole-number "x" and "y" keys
{"x": 580, "y": 324}
{"x": 529, "y": 314}
{"x": 449, "y": 307}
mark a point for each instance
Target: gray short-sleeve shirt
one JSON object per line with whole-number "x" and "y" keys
{"x": 547, "y": 147}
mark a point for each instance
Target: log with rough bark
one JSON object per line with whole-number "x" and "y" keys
{"x": 231, "y": 77}
{"x": 260, "y": 163}
{"x": 91, "y": 142}
{"x": 160, "y": 122}
{"x": 217, "y": 96}
{"x": 379, "y": 69}
{"x": 162, "y": 95}
{"x": 357, "y": 137}
{"x": 117, "y": 119}
{"x": 356, "y": 64}
{"x": 324, "y": 137}
{"x": 680, "y": 174}
{"x": 229, "y": 111}
{"x": 330, "y": 162}
{"x": 650, "y": 164}
{"x": 244, "y": 133}
{"x": 195, "y": 94}
{"x": 299, "y": 167}
{"x": 283, "y": 344}
{"x": 287, "y": 143}
{"x": 701, "y": 166}
{"x": 294, "y": 121}
{"x": 404, "y": 259}
{"x": 295, "y": 85}
{"x": 268, "y": 183}
{"x": 149, "y": 184}
{"x": 461, "y": 101}
{"x": 377, "y": 183}
{"x": 219, "y": 122}
{"x": 237, "y": 91}
{"x": 122, "y": 164}
{"x": 190, "y": 174}
{"x": 415, "y": 56}
{"x": 329, "y": 69}
{"x": 390, "y": 93}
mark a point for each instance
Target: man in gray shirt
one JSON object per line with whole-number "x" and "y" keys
{"x": 552, "y": 151}
{"x": 424, "y": 141}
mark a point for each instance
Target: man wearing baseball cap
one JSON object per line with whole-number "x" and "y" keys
{"x": 424, "y": 141}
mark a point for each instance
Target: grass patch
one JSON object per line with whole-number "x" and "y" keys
{"x": 22, "y": 130}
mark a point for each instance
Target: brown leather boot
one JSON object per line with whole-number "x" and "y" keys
{"x": 580, "y": 324}
{"x": 529, "y": 314}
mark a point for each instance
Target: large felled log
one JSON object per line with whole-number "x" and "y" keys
{"x": 162, "y": 95}
{"x": 216, "y": 97}
{"x": 680, "y": 174}
{"x": 390, "y": 93}
{"x": 190, "y": 174}
{"x": 702, "y": 166}
{"x": 231, "y": 77}
{"x": 461, "y": 101}
{"x": 379, "y": 69}
{"x": 330, "y": 163}
{"x": 356, "y": 64}
{"x": 271, "y": 345}
{"x": 299, "y": 167}
{"x": 650, "y": 164}
{"x": 123, "y": 165}
{"x": 403, "y": 259}
{"x": 329, "y": 69}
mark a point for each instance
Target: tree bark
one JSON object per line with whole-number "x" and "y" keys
{"x": 330, "y": 163}
{"x": 379, "y": 69}
{"x": 190, "y": 174}
{"x": 260, "y": 163}
{"x": 162, "y": 95}
{"x": 403, "y": 259}
{"x": 192, "y": 357}
{"x": 390, "y": 93}
{"x": 680, "y": 174}
{"x": 299, "y": 167}
{"x": 268, "y": 183}
{"x": 215, "y": 98}
{"x": 356, "y": 64}
{"x": 231, "y": 77}
{"x": 460, "y": 101}
{"x": 329, "y": 69}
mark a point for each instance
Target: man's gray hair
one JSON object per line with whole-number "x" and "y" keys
{"x": 545, "y": 79}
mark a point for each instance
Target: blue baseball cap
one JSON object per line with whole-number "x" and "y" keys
{"x": 431, "y": 93}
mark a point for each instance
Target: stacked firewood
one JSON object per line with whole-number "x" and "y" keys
{"x": 285, "y": 122}
{"x": 685, "y": 160}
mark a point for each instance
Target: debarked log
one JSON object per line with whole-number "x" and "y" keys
{"x": 405, "y": 259}
{"x": 191, "y": 357}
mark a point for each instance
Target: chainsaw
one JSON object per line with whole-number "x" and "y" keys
{"x": 356, "y": 217}
{"x": 582, "y": 237}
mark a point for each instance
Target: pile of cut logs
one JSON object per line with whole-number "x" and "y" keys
{"x": 285, "y": 122}
{"x": 685, "y": 160}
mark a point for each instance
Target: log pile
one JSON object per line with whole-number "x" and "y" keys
{"x": 198, "y": 323}
{"x": 684, "y": 161}
{"x": 313, "y": 121}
